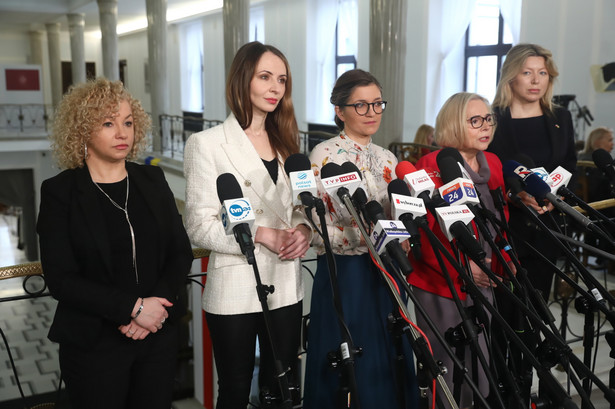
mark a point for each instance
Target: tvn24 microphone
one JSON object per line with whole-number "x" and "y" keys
{"x": 236, "y": 214}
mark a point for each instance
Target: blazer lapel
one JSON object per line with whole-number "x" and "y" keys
{"x": 87, "y": 198}
{"x": 249, "y": 165}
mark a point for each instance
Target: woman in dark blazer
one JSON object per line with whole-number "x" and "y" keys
{"x": 114, "y": 253}
{"x": 529, "y": 124}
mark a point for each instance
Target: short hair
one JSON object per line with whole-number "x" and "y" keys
{"x": 281, "y": 124}
{"x": 451, "y": 122}
{"x": 595, "y": 136}
{"x": 346, "y": 84}
{"x": 82, "y": 112}
{"x": 422, "y": 133}
{"x": 515, "y": 58}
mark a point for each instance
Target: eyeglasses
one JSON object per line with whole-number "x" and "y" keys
{"x": 362, "y": 108}
{"x": 478, "y": 121}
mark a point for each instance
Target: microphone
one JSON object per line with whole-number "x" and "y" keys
{"x": 458, "y": 190}
{"x": 540, "y": 190}
{"x": 558, "y": 181}
{"x": 236, "y": 214}
{"x": 387, "y": 236}
{"x": 453, "y": 221}
{"x": 456, "y": 156}
{"x": 337, "y": 183}
{"x": 359, "y": 197}
{"x": 418, "y": 181}
{"x": 406, "y": 209}
{"x": 302, "y": 183}
{"x": 604, "y": 162}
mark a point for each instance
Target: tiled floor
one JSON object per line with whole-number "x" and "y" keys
{"x": 25, "y": 324}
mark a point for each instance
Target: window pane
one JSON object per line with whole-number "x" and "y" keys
{"x": 342, "y": 68}
{"x": 484, "y": 24}
{"x": 508, "y": 38}
{"x": 347, "y": 28}
{"x": 482, "y": 74}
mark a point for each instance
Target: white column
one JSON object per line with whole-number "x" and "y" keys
{"x": 55, "y": 64}
{"x": 76, "y": 22}
{"x": 387, "y": 54}
{"x": 157, "y": 52}
{"x": 107, "y": 11}
{"x": 236, "y": 20}
{"x": 36, "y": 47}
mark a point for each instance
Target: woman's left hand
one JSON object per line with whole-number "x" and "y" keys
{"x": 134, "y": 331}
{"x": 481, "y": 279}
{"x": 297, "y": 244}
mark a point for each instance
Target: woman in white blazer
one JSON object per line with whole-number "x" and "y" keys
{"x": 252, "y": 144}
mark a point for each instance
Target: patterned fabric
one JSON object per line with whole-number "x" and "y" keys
{"x": 377, "y": 167}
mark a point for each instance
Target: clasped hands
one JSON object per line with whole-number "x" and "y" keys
{"x": 150, "y": 319}
{"x": 288, "y": 244}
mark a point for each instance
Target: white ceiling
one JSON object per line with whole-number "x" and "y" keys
{"x": 27, "y": 15}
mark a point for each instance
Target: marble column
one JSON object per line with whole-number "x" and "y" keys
{"x": 157, "y": 61}
{"x": 55, "y": 63}
{"x": 36, "y": 47}
{"x": 387, "y": 56}
{"x": 107, "y": 12}
{"x": 236, "y": 19}
{"x": 76, "y": 23}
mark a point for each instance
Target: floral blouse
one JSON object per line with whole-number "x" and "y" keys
{"x": 377, "y": 166}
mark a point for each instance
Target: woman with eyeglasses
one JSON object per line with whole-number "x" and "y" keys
{"x": 531, "y": 126}
{"x": 465, "y": 122}
{"x": 366, "y": 303}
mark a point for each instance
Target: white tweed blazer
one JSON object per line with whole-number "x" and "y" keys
{"x": 231, "y": 285}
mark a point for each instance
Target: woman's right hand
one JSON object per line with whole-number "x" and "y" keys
{"x": 271, "y": 238}
{"x": 153, "y": 314}
{"x": 530, "y": 201}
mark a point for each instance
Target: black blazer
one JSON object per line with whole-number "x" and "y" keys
{"x": 561, "y": 138}
{"x": 75, "y": 253}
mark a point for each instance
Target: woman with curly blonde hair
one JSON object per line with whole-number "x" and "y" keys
{"x": 114, "y": 252}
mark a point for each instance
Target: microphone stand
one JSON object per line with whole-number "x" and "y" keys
{"x": 345, "y": 197}
{"x": 263, "y": 291}
{"x": 347, "y": 350}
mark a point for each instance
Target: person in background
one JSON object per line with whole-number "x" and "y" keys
{"x": 252, "y": 144}
{"x": 529, "y": 124}
{"x": 114, "y": 252}
{"x": 424, "y": 136}
{"x": 465, "y": 122}
{"x": 366, "y": 303}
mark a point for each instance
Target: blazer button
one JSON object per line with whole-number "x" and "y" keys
{"x": 247, "y": 183}
{"x": 259, "y": 211}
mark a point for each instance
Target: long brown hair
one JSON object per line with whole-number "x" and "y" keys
{"x": 280, "y": 124}
{"x": 515, "y": 58}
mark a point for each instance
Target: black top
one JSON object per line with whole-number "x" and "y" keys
{"x": 272, "y": 168}
{"x": 533, "y": 139}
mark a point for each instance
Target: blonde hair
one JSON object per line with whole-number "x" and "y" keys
{"x": 82, "y": 112}
{"x": 422, "y": 133}
{"x": 595, "y": 136}
{"x": 513, "y": 64}
{"x": 451, "y": 123}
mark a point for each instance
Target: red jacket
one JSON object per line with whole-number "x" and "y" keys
{"x": 427, "y": 274}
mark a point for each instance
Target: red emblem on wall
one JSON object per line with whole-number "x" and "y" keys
{"x": 22, "y": 80}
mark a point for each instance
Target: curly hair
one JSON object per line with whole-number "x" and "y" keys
{"x": 81, "y": 114}
{"x": 451, "y": 127}
{"x": 281, "y": 124}
{"x": 513, "y": 64}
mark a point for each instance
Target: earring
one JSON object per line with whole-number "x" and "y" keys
{"x": 85, "y": 151}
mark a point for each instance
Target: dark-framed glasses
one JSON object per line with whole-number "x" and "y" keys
{"x": 361, "y": 108}
{"x": 478, "y": 121}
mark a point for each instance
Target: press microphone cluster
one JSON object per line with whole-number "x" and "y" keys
{"x": 236, "y": 214}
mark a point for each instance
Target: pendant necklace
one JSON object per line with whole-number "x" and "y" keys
{"x": 132, "y": 232}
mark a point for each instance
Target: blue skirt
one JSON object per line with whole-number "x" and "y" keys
{"x": 366, "y": 302}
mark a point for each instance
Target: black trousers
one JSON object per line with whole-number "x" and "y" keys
{"x": 119, "y": 372}
{"x": 234, "y": 342}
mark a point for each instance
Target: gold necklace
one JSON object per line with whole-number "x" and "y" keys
{"x": 132, "y": 232}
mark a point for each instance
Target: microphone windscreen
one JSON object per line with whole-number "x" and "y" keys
{"x": 449, "y": 153}
{"x": 296, "y": 163}
{"x": 536, "y": 187}
{"x": 403, "y": 168}
{"x": 399, "y": 187}
{"x": 374, "y": 211}
{"x": 602, "y": 159}
{"x": 449, "y": 169}
{"x": 359, "y": 197}
{"x": 525, "y": 160}
{"x": 228, "y": 187}
{"x": 330, "y": 169}
{"x": 508, "y": 169}
{"x": 349, "y": 167}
